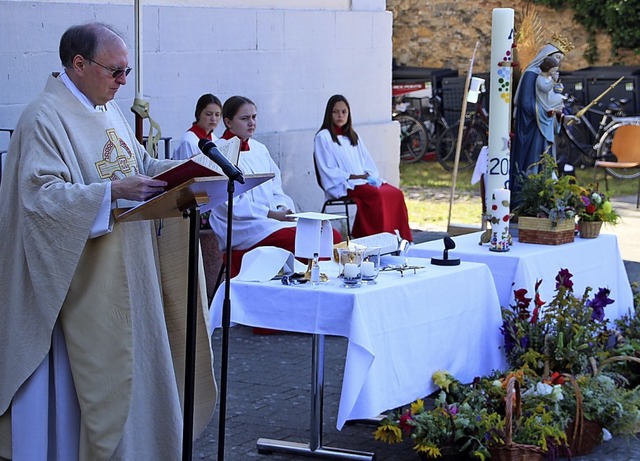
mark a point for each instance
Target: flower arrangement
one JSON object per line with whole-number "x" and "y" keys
{"x": 544, "y": 195}
{"x": 596, "y": 207}
{"x": 570, "y": 336}
{"x": 470, "y": 419}
{"x": 564, "y": 335}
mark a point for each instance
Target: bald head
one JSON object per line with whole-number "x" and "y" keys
{"x": 86, "y": 40}
{"x": 96, "y": 60}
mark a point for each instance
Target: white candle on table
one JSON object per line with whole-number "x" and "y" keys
{"x": 351, "y": 270}
{"x": 502, "y": 28}
{"x": 368, "y": 269}
{"x": 500, "y": 219}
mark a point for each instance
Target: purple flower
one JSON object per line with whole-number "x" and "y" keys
{"x": 598, "y": 303}
{"x": 509, "y": 341}
{"x": 563, "y": 279}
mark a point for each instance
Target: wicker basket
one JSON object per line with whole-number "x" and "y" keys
{"x": 582, "y": 434}
{"x": 511, "y": 451}
{"x": 589, "y": 229}
{"x": 540, "y": 230}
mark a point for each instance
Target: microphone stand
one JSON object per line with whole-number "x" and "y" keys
{"x": 226, "y": 324}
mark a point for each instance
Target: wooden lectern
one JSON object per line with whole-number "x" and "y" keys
{"x": 185, "y": 200}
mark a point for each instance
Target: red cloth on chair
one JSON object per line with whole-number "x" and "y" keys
{"x": 380, "y": 210}
{"x": 284, "y": 238}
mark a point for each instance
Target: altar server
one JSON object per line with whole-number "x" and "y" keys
{"x": 260, "y": 214}
{"x": 347, "y": 169}
{"x": 208, "y": 113}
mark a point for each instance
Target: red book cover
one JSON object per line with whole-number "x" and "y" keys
{"x": 183, "y": 172}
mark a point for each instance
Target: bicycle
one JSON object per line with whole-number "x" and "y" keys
{"x": 419, "y": 126}
{"x": 475, "y": 136}
{"x": 413, "y": 138}
{"x": 580, "y": 144}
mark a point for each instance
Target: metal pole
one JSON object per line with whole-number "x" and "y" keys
{"x": 191, "y": 326}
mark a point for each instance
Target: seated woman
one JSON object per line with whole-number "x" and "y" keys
{"x": 260, "y": 214}
{"x": 208, "y": 111}
{"x": 347, "y": 169}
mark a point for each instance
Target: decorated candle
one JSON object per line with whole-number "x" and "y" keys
{"x": 499, "y": 212}
{"x": 497, "y": 176}
{"x": 351, "y": 270}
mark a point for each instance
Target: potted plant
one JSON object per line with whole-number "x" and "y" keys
{"x": 597, "y": 209}
{"x": 546, "y": 206}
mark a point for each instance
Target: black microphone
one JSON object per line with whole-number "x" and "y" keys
{"x": 209, "y": 149}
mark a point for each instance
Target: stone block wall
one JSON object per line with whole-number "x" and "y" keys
{"x": 443, "y": 33}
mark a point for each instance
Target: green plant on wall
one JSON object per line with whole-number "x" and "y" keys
{"x": 617, "y": 18}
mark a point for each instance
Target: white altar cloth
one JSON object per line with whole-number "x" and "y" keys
{"x": 593, "y": 262}
{"x": 400, "y": 330}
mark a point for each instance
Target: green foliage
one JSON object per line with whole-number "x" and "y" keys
{"x": 617, "y": 18}
{"x": 543, "y": 195}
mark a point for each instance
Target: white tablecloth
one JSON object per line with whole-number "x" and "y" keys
{"x": 593, "y": 262}
{"x": 400, "y": 331}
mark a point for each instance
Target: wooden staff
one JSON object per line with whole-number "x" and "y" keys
{"x": 584, "y": 110}
{"x": 463, "y": 114}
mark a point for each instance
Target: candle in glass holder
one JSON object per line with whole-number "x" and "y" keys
{"x": 351, "y": 270}
{"x": 367, "y": 268}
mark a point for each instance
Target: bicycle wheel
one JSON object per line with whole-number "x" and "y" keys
{"x": 474, "y": 137}
{"x": 604, "y": 153}
{"x": 414, "y": 138}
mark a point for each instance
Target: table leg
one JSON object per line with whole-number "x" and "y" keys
{"x": 314, "y": 448}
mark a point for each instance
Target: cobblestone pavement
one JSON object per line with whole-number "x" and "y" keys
{"x": 269, "y": 396}
{"x": 268, "y": 391}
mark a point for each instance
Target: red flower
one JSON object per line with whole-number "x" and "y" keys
{"x": 494, "y": 207}
{"x": 505, "y": 218}
{"x": 404, "y": 423}
{"x": 591, "y": 209}
{"x": 556, "y": 378}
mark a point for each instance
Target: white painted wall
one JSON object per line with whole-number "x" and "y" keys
{"x": 288, "y": 59}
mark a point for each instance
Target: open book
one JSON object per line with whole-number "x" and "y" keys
{"x": 200, "y": 165}
{"x": 195, "y": 167}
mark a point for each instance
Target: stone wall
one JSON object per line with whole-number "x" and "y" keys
{"x": 442, "y": 33}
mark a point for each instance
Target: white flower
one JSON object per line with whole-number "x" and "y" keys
{"x": 542, "y": 389}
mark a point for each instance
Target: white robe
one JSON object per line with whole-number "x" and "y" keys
{"x": 336, "y": 162}
{"x": 104, "y": 292}
{"x": 250, "y": 222}
{"x": 188, "y": 146}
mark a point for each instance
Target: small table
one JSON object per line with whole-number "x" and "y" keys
{"x": 593, "y": 262}
{"x": 400, "y": 332}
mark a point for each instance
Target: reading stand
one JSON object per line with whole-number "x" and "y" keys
{"x": 185, "y": 200}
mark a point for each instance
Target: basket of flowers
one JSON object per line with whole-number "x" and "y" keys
{"x": 510, "y": 450}
{"x": 597, "y": 210}
{"x": 546, "y": 206}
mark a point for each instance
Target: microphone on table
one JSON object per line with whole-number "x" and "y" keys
{"x": 449, "y": 244}
{"x": 212, "y": 152}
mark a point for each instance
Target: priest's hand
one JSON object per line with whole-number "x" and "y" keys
{"x": 138, "y": 187}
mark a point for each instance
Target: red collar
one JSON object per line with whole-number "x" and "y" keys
{"x": 244, "y": 143}
{"x": 200, "y": 133}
